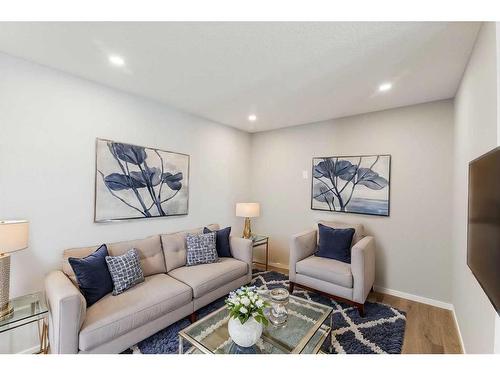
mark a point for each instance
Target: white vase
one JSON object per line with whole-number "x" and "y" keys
{"x": 245, "y": 334}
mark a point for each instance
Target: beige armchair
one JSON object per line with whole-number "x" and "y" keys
{"x": 345, "y": 282}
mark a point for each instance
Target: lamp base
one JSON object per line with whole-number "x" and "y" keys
{"x": 247, "y": 230}
{"x": 5, "y": 306}
{"x": 7, "y": 311}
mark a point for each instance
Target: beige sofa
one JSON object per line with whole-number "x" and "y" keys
{"x": 171, "y": 291}
{"x": 346, "y": 282}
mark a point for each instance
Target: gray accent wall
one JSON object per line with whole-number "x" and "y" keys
{"x": 414, "y": 243}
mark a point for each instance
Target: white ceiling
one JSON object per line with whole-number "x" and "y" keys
{"x": 285, "y": 73}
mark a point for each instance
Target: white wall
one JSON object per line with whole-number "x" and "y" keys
{"x": 475, "y": 134}
{"x": 414, "y": 243}
{"x": 496, "y": 349}
{"x": 49, "y": 122}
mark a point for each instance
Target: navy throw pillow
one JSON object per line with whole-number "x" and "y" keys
{"x": 221, "y": 241}
{"x": 335, "y": 243}
{"x": 93, "y": 275}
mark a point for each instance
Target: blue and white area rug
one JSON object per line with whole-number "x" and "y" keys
{"x": 381, "y": 331}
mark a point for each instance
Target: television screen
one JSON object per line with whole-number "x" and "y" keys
{"x": 483, "y": 238}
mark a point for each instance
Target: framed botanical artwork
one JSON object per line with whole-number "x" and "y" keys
{"x": 352, "y": 184}
{"x": 136, "y": 182}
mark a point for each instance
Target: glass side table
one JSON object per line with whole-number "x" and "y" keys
{"x": 29, "y": 309}
{"x": 260, "y": 240}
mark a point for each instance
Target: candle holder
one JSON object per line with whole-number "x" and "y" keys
{"x": 278, "y": 313}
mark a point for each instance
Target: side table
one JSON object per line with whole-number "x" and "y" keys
{"x": 260, "y": 240}
{"x": 29, "y": 309}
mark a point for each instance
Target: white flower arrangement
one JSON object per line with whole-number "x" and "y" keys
{"x": 245, "y": 303}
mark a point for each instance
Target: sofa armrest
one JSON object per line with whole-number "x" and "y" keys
{"x": 242, "y": 249}
{"x": 363, "y": 268}
{"x": 302, "y": 245}
{"x": 67, "y": 309}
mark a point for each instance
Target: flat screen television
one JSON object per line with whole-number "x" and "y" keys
{"x": 483, "y": 229}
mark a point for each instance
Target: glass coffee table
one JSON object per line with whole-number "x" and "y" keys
{"x": 304, "y": 332}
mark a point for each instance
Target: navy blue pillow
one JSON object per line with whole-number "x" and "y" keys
{"x": 221, "y": 241}
{"x": 335, "y": 243}
{"x": 93, "y": 275}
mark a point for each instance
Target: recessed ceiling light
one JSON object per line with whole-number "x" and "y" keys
{"x": 385, "y": 86}
{"x": 252, "y": 118}
{"x": 116, "y": 60}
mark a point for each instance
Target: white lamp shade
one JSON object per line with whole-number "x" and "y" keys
{"x": 13, "y": 235}
{"x": 247, "y": 209}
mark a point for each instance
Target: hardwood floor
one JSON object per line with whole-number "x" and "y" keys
{"x": 429, "y": 329}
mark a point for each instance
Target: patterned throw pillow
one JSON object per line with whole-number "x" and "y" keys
{"x": 125, "y": 271}
{"x": 201, "y": 249}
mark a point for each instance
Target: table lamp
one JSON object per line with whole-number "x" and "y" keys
{"x": 13, "y": 237}
{"x": 247, "y": 210}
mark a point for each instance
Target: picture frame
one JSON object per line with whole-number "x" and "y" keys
{"x": 138, "y": 182}
{"x": 363, "y": 184}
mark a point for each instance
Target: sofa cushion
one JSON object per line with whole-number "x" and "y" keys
{"x": 329, "y": 270}
{"x": 358, "y": 229}
{"x": 80, "y": 252}
{"x": 150, "y": 253}
{"x": 204, "y": 278}
{"x": 113, "y": 316}
{"x": 93, "y": 275}
{"x": 174, "y": 246}
{"x": 335, "y": 243}
{"x": 222, "y": 242}
{"x": 125, "y": 271}
{"x": 201, "y": 249}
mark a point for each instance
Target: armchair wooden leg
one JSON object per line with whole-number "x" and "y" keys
{"x": 359, "y": 306}
{"x": 361, "y": 310}
{"x": 193, "y": 317}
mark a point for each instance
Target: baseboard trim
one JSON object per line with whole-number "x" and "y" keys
{"x": 414, "y": 297}
{"x": 279, "y": 265}
{"x": 458, "y": 329}
{"x": 392, "y": 292}
{"x": 35, "y": 349}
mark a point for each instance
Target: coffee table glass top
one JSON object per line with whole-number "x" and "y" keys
{"x": 304, "y": 332}
{"x": 27, "y": 309}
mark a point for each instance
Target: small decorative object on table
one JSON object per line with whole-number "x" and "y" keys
{"x": 278, "y": 313}
{"x": 246, "y": 316}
